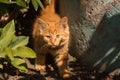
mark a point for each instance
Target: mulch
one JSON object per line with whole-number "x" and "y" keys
{"x": 79, "y": 73}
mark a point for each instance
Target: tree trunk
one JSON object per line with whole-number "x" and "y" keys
{"x": 71, "y": 9}
{"x": 95, "y": 32}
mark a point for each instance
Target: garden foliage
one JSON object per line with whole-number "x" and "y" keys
{"x": 13, "y": 48}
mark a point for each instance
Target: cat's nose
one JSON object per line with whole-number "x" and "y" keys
{"x": 53, "y": 44}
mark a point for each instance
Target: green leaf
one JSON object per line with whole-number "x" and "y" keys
{"x": 4, "y": 1}
{"x": 7, "y": 35}
{"x": 28, "y": 1}
{"x": 24, "y": 52}
{"x": 35, "y": 4}
{"x": 9, "y": 28}
{"x": 40, "y": 4}
{"x": 6, "y": 41}
{"x": 2, "y": 54}
{"x": 19, "y": 41}
{"x": 19, "y": 63}
{"x": 9, "y": 54}
{"x": 7, "y": 1}
{"x": 21, "y": 3}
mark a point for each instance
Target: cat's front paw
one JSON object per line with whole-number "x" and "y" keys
{"x": 40, "y": 67}
{"x": 67, "y": 74}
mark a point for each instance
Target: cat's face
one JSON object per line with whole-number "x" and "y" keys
{"x": 54, "y": 34}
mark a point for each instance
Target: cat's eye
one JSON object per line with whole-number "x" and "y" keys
{"x": 47, "y": 36}
{"x": 57, "y": 36}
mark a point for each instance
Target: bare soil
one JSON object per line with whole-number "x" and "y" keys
{"x": 79, "y": 73}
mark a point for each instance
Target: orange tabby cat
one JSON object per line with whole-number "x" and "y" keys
{"x": 51, "y": 35}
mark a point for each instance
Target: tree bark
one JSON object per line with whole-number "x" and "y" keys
{"x": 71, "y": 9}
{"x": 94, "y": 30}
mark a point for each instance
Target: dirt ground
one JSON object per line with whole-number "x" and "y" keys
{"x": 79, "y": 73}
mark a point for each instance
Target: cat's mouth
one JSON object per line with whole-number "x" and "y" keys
{"x": 53, "y": 46}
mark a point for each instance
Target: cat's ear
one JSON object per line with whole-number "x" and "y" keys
{"x": 64, "y": 23}
{"x": 41, "y": 24}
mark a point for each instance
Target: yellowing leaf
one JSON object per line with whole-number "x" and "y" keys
{"x": 7, "y": 35}
{"x": 35, "y": 4}
{"x": 19, "y": 41}
{"x": 9, "y": 54}
{"x": 19, "y": 63}
{"x": 24, "y": 52}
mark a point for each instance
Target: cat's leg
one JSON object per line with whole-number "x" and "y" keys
{"x": 40, "y": 62}
{"x": 61, "y": 62}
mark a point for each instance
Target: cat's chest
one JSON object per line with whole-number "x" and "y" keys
{"x": 53, "y": 52}
{"x": 57, "y": 51}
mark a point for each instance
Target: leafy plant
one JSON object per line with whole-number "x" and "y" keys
{"x": 13, "y": 48}
{"x": 24, "y": 3}
{"x": 36, "y": 4}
